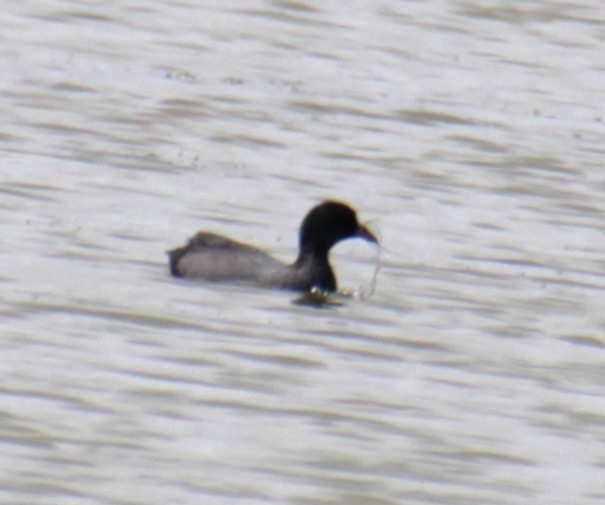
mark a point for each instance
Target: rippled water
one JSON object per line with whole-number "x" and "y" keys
{"x": 470, "y": 133}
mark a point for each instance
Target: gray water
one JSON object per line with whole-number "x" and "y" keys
{"x": 470, "y": 134}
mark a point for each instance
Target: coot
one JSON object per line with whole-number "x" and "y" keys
{"x": 213, "y": 257}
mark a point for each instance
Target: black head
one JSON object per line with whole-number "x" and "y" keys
{"x": 328, "y": 223}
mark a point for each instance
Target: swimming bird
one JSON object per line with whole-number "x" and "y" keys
{"x": 212, "y": 257}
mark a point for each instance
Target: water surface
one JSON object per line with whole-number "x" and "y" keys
{"x": 469, "y": 133}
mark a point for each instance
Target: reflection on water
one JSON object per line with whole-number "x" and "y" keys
{"x": 473, "y": 374}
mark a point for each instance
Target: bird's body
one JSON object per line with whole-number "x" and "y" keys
{"x": 212, "y": 257}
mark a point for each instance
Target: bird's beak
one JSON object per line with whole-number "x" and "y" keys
{"x": 364, "y": 233}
